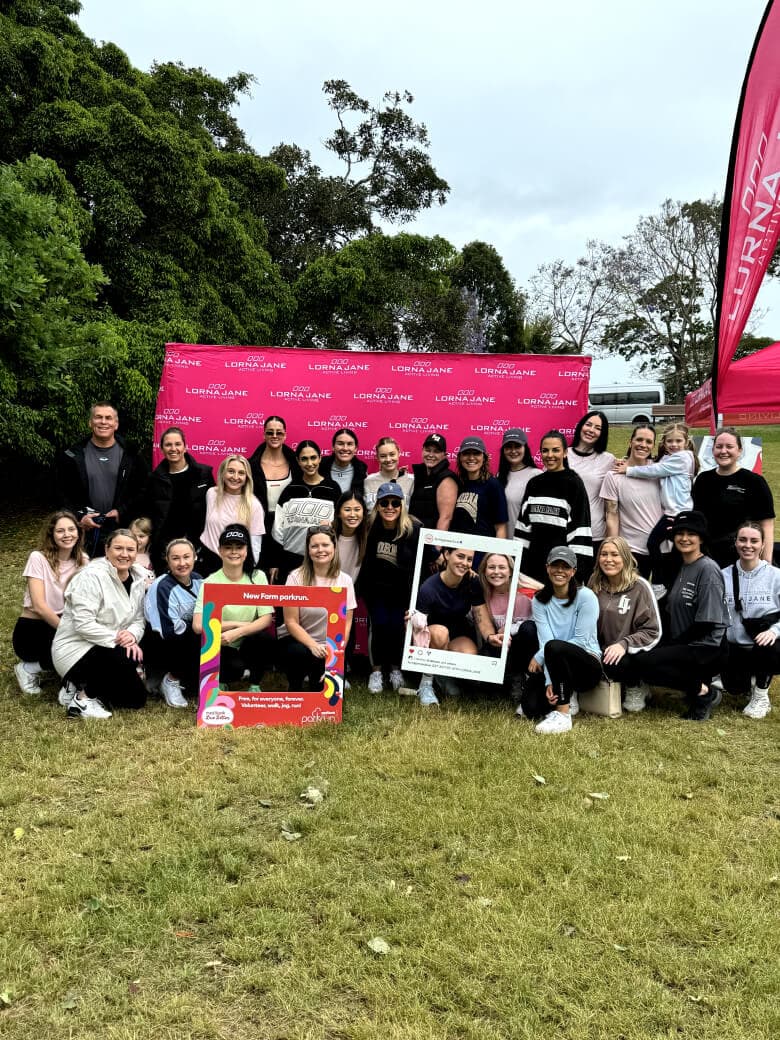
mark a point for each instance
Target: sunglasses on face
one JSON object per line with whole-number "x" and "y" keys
{"x": 390, "y": 503}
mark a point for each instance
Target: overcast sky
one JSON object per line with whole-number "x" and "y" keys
{"x": 552, "y": 122}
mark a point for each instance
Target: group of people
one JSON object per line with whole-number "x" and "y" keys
{"x": 114, "y": 596}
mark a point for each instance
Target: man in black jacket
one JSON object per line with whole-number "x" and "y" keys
{"x": 101, "y": 480}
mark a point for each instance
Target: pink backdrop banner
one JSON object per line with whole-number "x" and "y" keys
{"x": 220, "y": 396}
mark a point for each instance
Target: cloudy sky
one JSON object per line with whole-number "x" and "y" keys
{"x": 553, "y": 122}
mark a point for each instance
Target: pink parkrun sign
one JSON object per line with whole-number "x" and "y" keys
{"x": 221, "y": 395}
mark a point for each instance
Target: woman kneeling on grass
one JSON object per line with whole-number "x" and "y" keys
{"x": 172, "y": 644}
{"x": 569, "y": 652}
{"x": 96, "y": 648}
{"x": 629, "y": 622}
{"x": 245, "y": 642}
{"x": 495, "y": 573}
{"x": 753, "y": 595}
{"x": 446, "y": 603}
{"x": 303, "y": 648}
{"x": 48, "y": 570}
{"x": 693, "y": 649}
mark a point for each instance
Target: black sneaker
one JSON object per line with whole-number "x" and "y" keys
{"x": 701, "y": 709}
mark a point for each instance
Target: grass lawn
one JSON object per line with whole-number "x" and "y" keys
{"x": 147, "y": 889}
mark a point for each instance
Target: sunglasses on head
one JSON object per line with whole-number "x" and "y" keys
{"x": 390, "y": 503}
{"x": 321, "y": 529}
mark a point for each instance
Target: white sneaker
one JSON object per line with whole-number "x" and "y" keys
{"x": 426, "y": 696}
{"x": 759, "y": 706}
{"x": 574, "y": 704}
{"x": 396, "y": 679}
{"x": 636, "y": 697}
{"x": 170, "y": 688}
{"x": 66, "y": 694}
{"x": 375, "y": 682}
{"x": 717, "y": 684}
{"x": 87, "y": 708}
{"x": 28, "y": 683}
{"x": 555, "y": 722}
{"x": 519, "y": 711}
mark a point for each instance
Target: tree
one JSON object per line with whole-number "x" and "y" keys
{"x": 494, "y": 307}
{"x": 580, "y": 299}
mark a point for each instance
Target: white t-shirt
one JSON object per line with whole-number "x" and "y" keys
{"x": 314, "y": 620}
{"x": 349, "y": 550}
{"x": 516, "y": 483}
{"x": 217, "y": 519}
{"x": 374, "y": 481}
{"x": 53, "y": 585}
{"x": 274, "y": 488}
{"x": 639, "y": 507}
{"x": 592, "y": 469}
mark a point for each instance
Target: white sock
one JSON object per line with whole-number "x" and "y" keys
{"x": 32, "y": 667}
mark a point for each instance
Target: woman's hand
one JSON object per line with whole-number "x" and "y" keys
{"x": 621, "y": 465}
{"x": 551, "y": 696}
{"x": 767, "y": 638}
{"x": 134, "y": 652}
{"x": 495, "y": 639}
{"x": 534, "y": 666}
{"x": 613, "y": 653}
{"x": 319, "y": 649}
{"x": 273, "y": 574}
{"x": 124, "y": 638}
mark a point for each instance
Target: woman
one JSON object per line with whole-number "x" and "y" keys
{"x": 302, "y": 647}
{"x": 629, "y": 622}
{"x": 343, "y": 466}
{"x": 176, "y": 496}
{"x": 245, "y": 643}
{"x": 693, "y": 649}
{"x": 481, "y": 504}
{"x": 730, "y": 494}
{"x": 435, "y": 485}
{"x": 60, "y": 555}
{"x": 515, "y": 468}
{"x": 633, "y": 507}
{"x": 495, "y": 574}
{"x": 274, "y": 467}
{"x": 589, "y": 458}
{"x": 172, "y": 645}
{"x": 232, "y": 501}
{"x": 388, "y": 454}
{"x": 303, "y": 504}
{"x": 753, "y": 596}
{"x": 446, "y": 604}
{"x": 569, "y": 654}
{"x": 96, "y": 648}
{"x": 554, "y": 509}
{"x": 386, "y": 582}
{"x": 350, "y": 523}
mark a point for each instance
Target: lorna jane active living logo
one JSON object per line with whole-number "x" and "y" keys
{"x": 422, "y": 368}
{"x": 216, "y": 391}
{"x": 301, "y": 393}
{"x": 504, "y": 370}
{"x": 339, "y": 365}
{"x": 215, "y": 446}
{"x": 255, "y": 363}
{"x": 466, "y": 397}
{"x": 382, "y": 395}
{"x": 548, "y": 400}
{"x": 176, "y": 417}
{"x": 252, "y": 420}
{"x": 419, "y": 424}
{"x": 333, "y": 422}
{"x": 577, "y": 374}
{"x": 496, "y": 428}
{"x": 175, "y": 359}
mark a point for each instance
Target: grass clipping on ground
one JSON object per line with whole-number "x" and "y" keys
{"x": 407, "y": 874}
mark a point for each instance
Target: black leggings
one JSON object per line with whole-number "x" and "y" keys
{"x": 570, "y": 669}
{"x": 255, "y": 653}
{"x": 110, "y": 675}
{"x": 684, "y": 668}
{"x": 32, "y": 641}
{"x": 522, "y": 648}
{"x": 386, "y": 638}
{"x": 179, "y": 655}
{"x": 299, "y": 663}
{"x": 747, "y": 661}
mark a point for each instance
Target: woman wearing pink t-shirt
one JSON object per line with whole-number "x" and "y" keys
{"x": 49, "y": 569}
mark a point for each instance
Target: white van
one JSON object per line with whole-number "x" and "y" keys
{"x": 626, "y": 402}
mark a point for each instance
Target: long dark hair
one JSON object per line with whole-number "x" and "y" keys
{"x": 503, "y": 463}
{"x": 556, "y": 435}
{"x": 546, "y": 592}
{"x": 361, "y": 534}
{"x": 601, "y": 443}
{"x": 249, "y": 565}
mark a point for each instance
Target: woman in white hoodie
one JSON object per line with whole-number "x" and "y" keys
{"x": 96, "y": 648}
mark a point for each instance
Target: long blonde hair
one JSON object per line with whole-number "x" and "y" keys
{"x": 599, "y": 582}
{"x": 244, "y": 512}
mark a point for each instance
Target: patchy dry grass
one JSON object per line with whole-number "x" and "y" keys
{"x": 147, "y": 889}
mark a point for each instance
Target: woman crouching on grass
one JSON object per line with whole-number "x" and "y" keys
{"x": 753, "y": 596}
{"x": 303, "y": 647}
{"x": 569, "y": 653}
{"x": 629, "y": 622}
{"x": 49, "y": 568}
{"x": 495, "y": 573}
{"x": 96, "y": 648}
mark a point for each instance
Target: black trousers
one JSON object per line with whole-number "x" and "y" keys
{"x": 255, "y": 653}
{"x": 298, "y": 663}
{"x": 179, "y": 655}
{"x": 683, "y": 668}
{"x": 522, "y": 648}
{"x": 386, "y": 637}
{"x": 32, "y": 641}
{"x": 746, "y": 661}
{"x": 110, "y": 675}
{"x": 570, "y": 668}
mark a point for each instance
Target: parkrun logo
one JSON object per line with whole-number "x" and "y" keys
{"x": 339, "y": 366}
{"x": 383, "y": 395}
{"x": 215, "y": 390}
{"x": 301, "y": 393}
{"x": 465, "y": 397}
{"x": 256, "y": 363}
{"x": 505, "y": 370}
{"x": 422, "y": 368}
{"x": 174, "y": 359}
